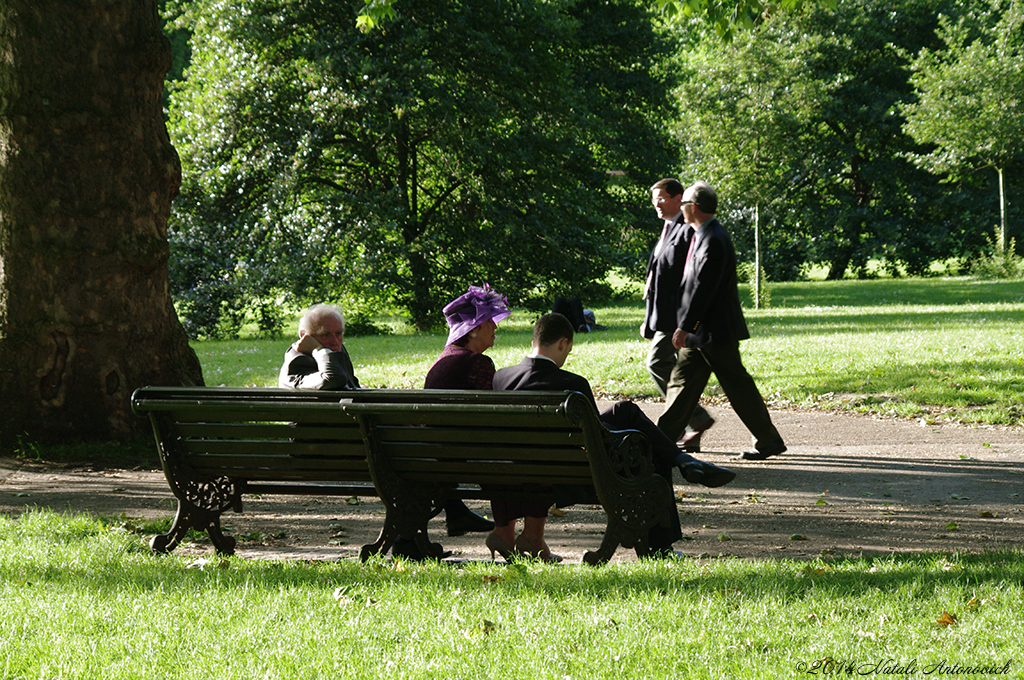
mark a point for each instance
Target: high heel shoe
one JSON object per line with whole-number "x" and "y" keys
{"x": 524, "y": 547}
{"x": 497, "y": 544}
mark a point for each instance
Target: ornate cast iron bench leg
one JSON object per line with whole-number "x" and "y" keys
{"x": 200, "y": 505}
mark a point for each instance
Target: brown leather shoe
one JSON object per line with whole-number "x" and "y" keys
{"x": 691, "y": 440}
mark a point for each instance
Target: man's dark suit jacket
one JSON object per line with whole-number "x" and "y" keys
{"x": 541, "y": 374}
{"x": 709, "y": 304}
{"x": 665, "y": 270}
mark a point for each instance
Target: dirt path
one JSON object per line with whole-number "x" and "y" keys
{"x": 849, "y": 484}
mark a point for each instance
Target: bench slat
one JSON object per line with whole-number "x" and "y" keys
{"x": 234, "y": 430}
{"x": 464, "y": 435}
{"x": 499, "y": 453}
{"x": 254, "y": 413}
{"x": 469, "y": 418}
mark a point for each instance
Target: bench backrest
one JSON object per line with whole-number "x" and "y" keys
{"x": 524, "y": 439}
{"x": 258, "y": 434}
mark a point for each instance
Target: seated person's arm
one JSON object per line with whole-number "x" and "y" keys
{"x": 310, "y": 366}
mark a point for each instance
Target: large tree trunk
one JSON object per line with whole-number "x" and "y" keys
{"x": 87, "y": 174}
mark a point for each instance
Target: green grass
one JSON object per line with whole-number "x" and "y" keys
{"x": 82, "y": 598}
{"x": 936, "y": 349}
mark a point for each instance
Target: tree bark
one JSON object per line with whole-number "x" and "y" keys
{"x": 87, "y": 174}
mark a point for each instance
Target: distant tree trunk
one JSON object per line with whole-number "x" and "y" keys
{"x": 837, "y": 270}
{"x": 87, "y": 174}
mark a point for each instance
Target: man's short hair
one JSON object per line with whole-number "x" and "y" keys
{"x": 671, "y": 186}
{"x": 705, "y": 198}
{"x": 551, "y": 328}
{"x": 312, "y": 321}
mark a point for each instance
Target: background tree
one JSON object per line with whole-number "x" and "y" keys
{"x": 87, "y": 178}
{"x": 970, "y": 96}
{"x": 399, "y": 165}
{"x": 724, "y": 15}
{"x": 744, "y": 108}
{"x": 805, "y": 109}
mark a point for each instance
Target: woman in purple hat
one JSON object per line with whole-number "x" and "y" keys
{"x": 472, "y": 320}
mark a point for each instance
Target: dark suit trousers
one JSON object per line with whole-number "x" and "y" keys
{"x": 689, "y": 378}
{"x": 625, "y": 415}
{"x": 661, "y": 358}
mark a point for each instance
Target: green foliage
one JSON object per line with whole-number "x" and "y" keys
{"x": 970, "y": 92}
{"x": 397, "y": 166}
{"x": 800, "y": 118}
{"x": 970, "y": 95}
{"x": 997, "y": 262}
{"x": 724, "y": 16}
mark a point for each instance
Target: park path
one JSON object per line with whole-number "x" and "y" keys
{"x": 850, "y": 484}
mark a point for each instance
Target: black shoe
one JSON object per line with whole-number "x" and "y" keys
{"x": 693, "y": 472}
{"x": 407, "y": 549}
{"x": 466, "y": 520}
{"x": 715, "y": 476}
{"x": 762, "y": 454}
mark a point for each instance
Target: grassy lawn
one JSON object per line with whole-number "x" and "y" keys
{"x": 937, "y": 349}
{"x": 84, "y": 599}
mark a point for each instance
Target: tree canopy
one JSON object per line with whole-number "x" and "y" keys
{"x": 802, "y": 118}
{"x": 970, "y": 94}
{"x": 399, "y": 165}
{"x": 724, "y": 15}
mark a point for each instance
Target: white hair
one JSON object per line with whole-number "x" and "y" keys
{"x": 313, "y": 319}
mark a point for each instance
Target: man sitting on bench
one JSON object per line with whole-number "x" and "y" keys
{"x": 542, "y": 370}
{"x": 318, "y": 360}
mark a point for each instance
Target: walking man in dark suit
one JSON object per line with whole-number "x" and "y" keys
{"x": 709, "y": 327}
{"x": 661, "y": 296}
{"x": 542, "y": 370}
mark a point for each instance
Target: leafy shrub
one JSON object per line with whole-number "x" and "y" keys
{"x": 996, "y": 262}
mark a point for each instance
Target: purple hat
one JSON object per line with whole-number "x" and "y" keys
{"x": 471, "y": 309}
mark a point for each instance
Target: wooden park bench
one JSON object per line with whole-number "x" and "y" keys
{"x": 420, "y": 448}
{"x": 218, "y": 443}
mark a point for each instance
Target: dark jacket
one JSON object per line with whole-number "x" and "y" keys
{"x": 709, "y": 304}
{"x": 665, "y": 272}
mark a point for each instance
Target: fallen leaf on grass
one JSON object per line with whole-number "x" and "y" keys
{"x": 972, "y": 604}
{"x": 491, "y": 579}
{"x": 201, "y": 563}
{"x": 946, "y": 619}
